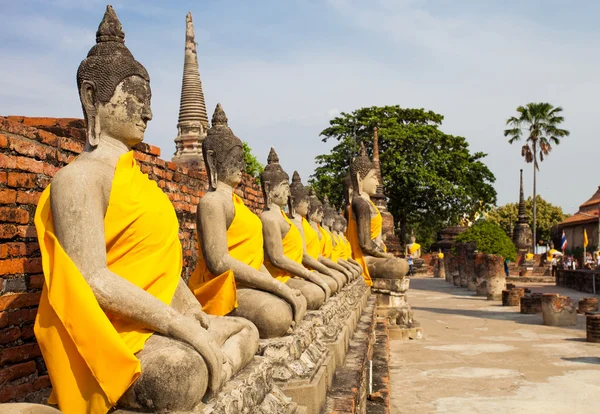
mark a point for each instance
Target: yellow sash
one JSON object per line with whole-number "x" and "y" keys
{"x": 357, "y": 254}
{"x": 326, "y": 243}
{"x": 313, "y": 244}
{"x": 337, "y": 252}
{"x": 292, "y": 249}
{"x": 414, "y": 247}
{"x": 377, "y": 225}
{"x": 218, "y": 294}
{"x": 90, "y": 356}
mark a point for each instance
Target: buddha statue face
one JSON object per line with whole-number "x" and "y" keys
{"x": 223, "y": 152}
{"x": 125, "y": 116}
{"x": 338, "y": 224}
{"x": 275, "y": 182}
{"x": 301, "y": 207}
{"x": 280, "y": 194}
{"x": 114, "y": 88}
{"x": 369, "y": 183}
{"x": 316, "y": 214}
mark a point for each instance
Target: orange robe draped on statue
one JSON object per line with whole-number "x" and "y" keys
{"x": 218, "y": 293}
{"x": 311, "y": 237}
{"x": 292, "y": 249}
{"x": 90, "y": 355}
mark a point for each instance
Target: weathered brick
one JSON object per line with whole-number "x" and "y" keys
{"x": 15, "y": 249}
{"x": 35, "y": 281}
{"x": 71, "y": 145}
{"x": 21, "y": 180}
{"x": 27, "y": 332}
{"x": 28, "y": 197}
{"x": 8, "y": 161}
{"x": 31, "y": 148}
{"x": 19, "y": 300}
{"x": 8, "y": 231}
{"x": 19, "y": 353}
{"x": 16, "y": 371}
{"x": 21, "y": 316}
{"x": 12, "y": 266}
{"x": 14, "y": 285}
{"x": 3, "y": 141}
{"x": 32, "y": 248}
{"x": 47, "y": 138}
{"x": 26, "y": 231}
{"x": 3, "y": 319}
{"x": 14, "y": 215}
{"x": 9, "y": 335}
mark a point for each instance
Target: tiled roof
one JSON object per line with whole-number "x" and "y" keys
{"x": 594, "y": 200}
{"x": 578, "y": 218}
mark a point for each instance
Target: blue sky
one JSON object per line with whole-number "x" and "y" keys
{"x": 282, "y": 68}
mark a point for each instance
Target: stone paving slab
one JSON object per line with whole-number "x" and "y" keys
{"x": 480, "y": 357}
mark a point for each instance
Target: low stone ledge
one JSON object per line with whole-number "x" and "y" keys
{"x": 350, "y": 387}
{"x": 378, "y": 401}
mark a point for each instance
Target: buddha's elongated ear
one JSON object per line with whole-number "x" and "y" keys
{"x": 210, "y": 160}
{"x": 87, "y": 95}
{"x": 359, "y": 182}
{"x": 266, "y": 185}
{"x": 290, "y": 204}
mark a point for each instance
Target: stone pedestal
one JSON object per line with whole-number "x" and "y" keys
{"x": 588, "y": 305}
{"x": 252, "y": 390}
{"x": 419, "y": 266}
{"x": 512, "y": 297}
{"x": 481, "y": 271}
{"x": 300, "y": 363}
{"x": 531, "y": 304}
{"x": 592, "y": 323}
{"x": 558, "y": 310}
{"x": 392, "y": 304}
{"x": 439, "y": 269}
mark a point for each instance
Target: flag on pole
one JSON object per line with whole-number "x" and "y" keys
{"x": 585, "y": 239}
{"x": 563, "y": 243}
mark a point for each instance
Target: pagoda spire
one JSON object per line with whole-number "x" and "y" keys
{"x": 193, "y": 119}
{"x": 522, "y": 217}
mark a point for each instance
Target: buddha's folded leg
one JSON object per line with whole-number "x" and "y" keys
{"x": 238, "y": 339}
{"x": 270, "y": 314}
{"x": 174, "y": 377}
{"x": 387, "y": 268}
{"x": 331, "y": 282}
{"x": 315, "y": 296}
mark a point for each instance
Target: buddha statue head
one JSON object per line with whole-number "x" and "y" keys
{"x": 329, "y": 214}
{"x": 275, "y": 182}
{"x": 299, "y": 195}
{"x": 363, "y": 174}
{"x": 223, "y": 152}
{"x": 339, "y": 223}
{"x": 114, "y": 88}
{"x": 315, "y": 207}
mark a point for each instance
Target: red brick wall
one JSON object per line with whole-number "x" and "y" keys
{"x": 32, "y": 150}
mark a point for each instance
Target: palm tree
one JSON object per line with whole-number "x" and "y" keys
{"x": 540, "y": 120}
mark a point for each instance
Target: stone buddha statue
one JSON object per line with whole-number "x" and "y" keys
{"x": 116, "y": 323}
{"x": 230, "y": 277}
{"x": 312, "y": 244}
{"x": 365, "y": 225}
{"x": 413, "y": 248}
{"x": 284, "y": 247}
{"x": 315, "y": 218}
{"x": 337, "y": 254}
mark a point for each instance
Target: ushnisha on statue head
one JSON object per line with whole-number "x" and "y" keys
{"x": 275, "y": 182}
{"x": 223, "y": 152}
{"x": 114, "y": 88}
{"x": 363, "y": 174}
{"x": 300, "y": 196}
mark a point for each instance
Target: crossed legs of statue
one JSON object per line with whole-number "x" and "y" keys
{"x": 271, "y": 315}
{"x": 315, "y": 296}
{"x": 175, "y": 377}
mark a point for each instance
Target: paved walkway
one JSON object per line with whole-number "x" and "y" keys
{"x": 480, "y": 357}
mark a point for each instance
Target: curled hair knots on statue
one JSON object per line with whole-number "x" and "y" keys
{"x": 360, "y": 167}
{"x": 297, "y": 189}
{"x": 109, "y": 62}
{"x": 273, "y": 173}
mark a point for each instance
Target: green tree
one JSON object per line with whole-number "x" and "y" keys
{"x": 489, "y": 238}
{"x": 253, "y": 167}
{"x": 541, "y": 122}
{"x": 430, "y": 178}
{"x": 548, "y": 215}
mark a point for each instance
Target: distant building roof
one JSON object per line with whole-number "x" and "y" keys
{"x": 588, "y": 212}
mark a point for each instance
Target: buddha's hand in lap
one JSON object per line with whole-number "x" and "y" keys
{"x": 197, "y": 313}
{"x": 187, "y": 328}
{"x": 299, "y": 310}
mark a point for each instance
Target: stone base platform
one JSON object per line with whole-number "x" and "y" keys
{"x": 530, "y": 279}
{"x": 351, "y": 384}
